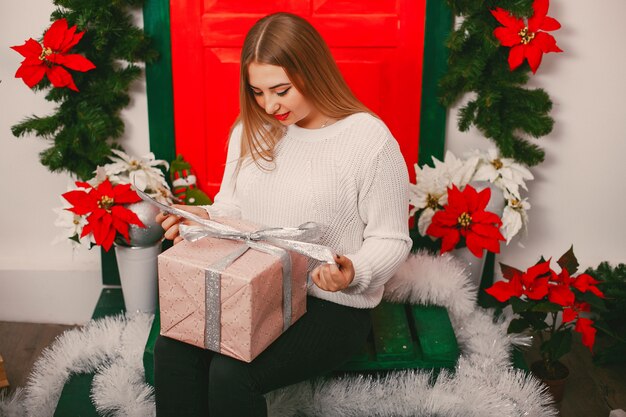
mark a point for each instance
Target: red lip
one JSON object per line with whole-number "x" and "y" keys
{"x": 283, "y": 116}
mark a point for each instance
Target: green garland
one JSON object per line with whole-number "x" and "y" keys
{"x": 502, "y": 108}
{"x": 87, "y": 124}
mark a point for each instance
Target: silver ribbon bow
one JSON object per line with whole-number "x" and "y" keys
{"x": 290, "y": 238}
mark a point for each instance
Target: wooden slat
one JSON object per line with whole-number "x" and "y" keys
{"x": 75, "y": 398}
{"x": 148, "y": 353}
{"x": 111, "y": 302}
{"x": 392, "y": 336}
{"x": 435, "y": 334}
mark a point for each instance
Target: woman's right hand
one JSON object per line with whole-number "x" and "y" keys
{"x": 170, "y": 222}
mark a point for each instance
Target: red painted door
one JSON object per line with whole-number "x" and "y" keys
{"x": 378, "y": 45}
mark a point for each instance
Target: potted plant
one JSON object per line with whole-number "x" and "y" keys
{"x": 540, "y": 293}
{"x": 107, "y": 212}
{"x": 446, "y": 196}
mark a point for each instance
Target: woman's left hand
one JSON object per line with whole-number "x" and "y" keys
{"x": 334, "y": 277}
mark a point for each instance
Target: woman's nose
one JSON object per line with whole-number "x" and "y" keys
{"x": 270, "y": 106}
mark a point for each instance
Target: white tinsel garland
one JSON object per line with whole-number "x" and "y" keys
{"x": 484, "y": 383}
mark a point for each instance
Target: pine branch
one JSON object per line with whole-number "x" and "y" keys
{"x": 503, "y": 110}
{"x": 87, "y": 124}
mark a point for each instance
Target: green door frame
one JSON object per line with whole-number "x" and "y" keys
{"x": 160, "y": 90}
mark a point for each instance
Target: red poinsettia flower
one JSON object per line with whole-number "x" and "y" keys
{"x": 535, "y": 280}
{"x": 571, "y": 313}
{"x": 106, "y": 217}
{"x": 51, "y": 57}
{"x": 525, "y": 39}
{"x": 561, "y": 294}
{"x": 504, "y": 290}
{"x": 584, "y": 326}
{"x": 585, "y": 282}
{"x": 540, "y": 293}
{"x": 465, "y": 216}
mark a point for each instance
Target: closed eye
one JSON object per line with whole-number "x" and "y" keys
{"x": 284, "y": 92}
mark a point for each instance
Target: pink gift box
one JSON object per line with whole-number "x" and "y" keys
{"x": 250, "y": 295}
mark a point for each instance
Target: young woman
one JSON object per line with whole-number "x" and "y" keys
{"x": 303, "y": 149}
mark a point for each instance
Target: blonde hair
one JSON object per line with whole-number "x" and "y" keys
{"x": 289, "y": 41}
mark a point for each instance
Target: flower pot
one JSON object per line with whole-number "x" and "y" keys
{"x": 473, "y": 265}
{"x": 556, "y": 385}
{"x": 138, "y": 276}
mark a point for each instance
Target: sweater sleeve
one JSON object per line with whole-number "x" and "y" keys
{"x": 225, "y": 203}
{"x": 383, "y": 205}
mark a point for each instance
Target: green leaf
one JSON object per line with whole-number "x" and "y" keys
{"x": 519, "y": 305}
{"x": 508, "y": 271}
{"x": 547, "y": 307}
{"x": 489, "y": 301}
{"x": 558, "y": 345}
{"x": 568, "y": 261}
{"x": 537, "y": 320}
{"x": 597, "y": 303}
{"x": 518, "y": 326}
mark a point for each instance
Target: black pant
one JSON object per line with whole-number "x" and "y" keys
{"x": 190, "y": 381}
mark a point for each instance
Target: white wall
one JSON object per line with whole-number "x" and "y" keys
{"x": 578, "y": 194}
{"x": 41, "y": 282}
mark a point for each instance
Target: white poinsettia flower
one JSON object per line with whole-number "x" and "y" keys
{"x": 125, "y": 163}
{"x": 504, "y": 172}
{"x": 514, "y": 217}
{"x": 425, "y": 219}
{"x": 456, "y": 170}
{"x": 430, "y": 189}
{"x": 429, "y": 194}
{"x": 142, "y": 172}
{"x": 162, "y": 194}
{"x": 71, "y": 224}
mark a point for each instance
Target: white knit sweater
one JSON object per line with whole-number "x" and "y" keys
{"x": 349, "y": 176}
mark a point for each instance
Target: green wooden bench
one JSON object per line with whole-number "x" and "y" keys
{"x": 402, "y": 337}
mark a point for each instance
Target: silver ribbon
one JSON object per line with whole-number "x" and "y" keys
{"x": 290, "y": 238}
{"x": 212, "y": 290}
{"x": 212, "y": 298}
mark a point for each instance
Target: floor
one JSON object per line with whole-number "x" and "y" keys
{"x": 591, "y": 391}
